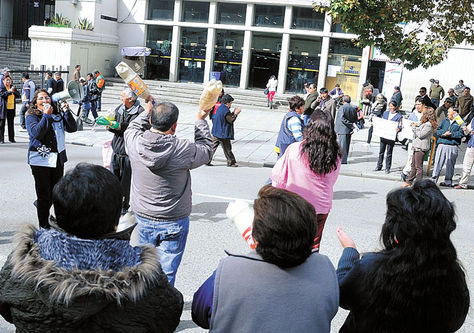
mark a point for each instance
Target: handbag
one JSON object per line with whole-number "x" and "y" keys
{"x": 266, "y": 91}
{"x": 43, "y": 157}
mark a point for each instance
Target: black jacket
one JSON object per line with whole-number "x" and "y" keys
{"x": 38, "y": 295}
{"x": 123, "y": 117}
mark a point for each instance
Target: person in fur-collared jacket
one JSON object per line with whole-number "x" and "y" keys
{"x": 82, "y": 275}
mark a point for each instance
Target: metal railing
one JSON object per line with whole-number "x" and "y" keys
{"x": 37, "y": 75}
{"x": 7, "y": 42}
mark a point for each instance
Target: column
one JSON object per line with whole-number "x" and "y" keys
{"x": 211, "y": 42}
{"x": 284, "y": 52}
{"x": 246, "y": 52}
{"x": 323, "y": 62}
{"x": 364, "y": 66}
{"x": 175, "y": 48}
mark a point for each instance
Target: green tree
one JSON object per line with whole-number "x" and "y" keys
{"x": 420, "y": 33}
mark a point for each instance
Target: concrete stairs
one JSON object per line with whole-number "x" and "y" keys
{"x": 189, "y": 93}
{"x": 15, "y": 54}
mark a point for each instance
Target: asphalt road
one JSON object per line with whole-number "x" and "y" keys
{"x": 358, "y": 207}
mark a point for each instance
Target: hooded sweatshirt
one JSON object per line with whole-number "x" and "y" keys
{"x": 161, "y": 182}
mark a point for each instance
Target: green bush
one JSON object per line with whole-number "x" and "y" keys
{"x": 84, "y": 24}
{"x": 59, "y": 21}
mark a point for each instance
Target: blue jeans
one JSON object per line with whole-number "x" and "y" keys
{"x": 170, "y": 239}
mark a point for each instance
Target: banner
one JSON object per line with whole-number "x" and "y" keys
{"x": 384, "y": 128}
{"x": 392, "y": 78}
{"x": 407, "y": 130}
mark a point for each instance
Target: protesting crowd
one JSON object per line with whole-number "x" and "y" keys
{"x": 83, "y": 271}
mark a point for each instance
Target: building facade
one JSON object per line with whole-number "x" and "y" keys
{"x": 241, "y": 42}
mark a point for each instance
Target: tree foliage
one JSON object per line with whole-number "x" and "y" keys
{"x": 420, "y": 33}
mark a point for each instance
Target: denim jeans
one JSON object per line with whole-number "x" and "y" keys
{"x": 170, "y": 239}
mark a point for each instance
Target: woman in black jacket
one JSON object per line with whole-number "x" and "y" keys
{"x": 415, "y": 283}
{"x": 8, "y": 93}
{"x": 47, "y": 151}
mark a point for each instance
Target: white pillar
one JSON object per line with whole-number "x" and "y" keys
{"x": 284, "y": 52}
{"x": 323, "y": 61}
{"x": 282, "y": 70}
{"x": 246, "y": 54}
{"x": 211, "y": 41}
{"x": 364, "y": 66}
{"x": 175, "y": 48}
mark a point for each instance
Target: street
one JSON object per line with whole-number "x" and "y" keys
{"x": 358, "y": 207}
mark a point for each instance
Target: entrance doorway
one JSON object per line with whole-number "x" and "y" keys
{"x": 192, "y": 55}
{"x": 264, "y": 59}
{"x": 376, "y": 73}
{"x": 262, "y": 66}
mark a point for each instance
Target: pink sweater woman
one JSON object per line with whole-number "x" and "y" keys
{"x": 310, "y": 168}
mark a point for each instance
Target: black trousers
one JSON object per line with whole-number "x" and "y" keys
{"x": 226, "y": 146}
{"x": 385, "y": 145}
{"x": 11, "y": 128}
{"x": 120, "y": 166}
{"x": 45, "y": 179}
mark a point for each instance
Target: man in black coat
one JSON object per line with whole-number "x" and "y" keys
{"x": 120, "y": 164}
{"x": 346, "y": 118}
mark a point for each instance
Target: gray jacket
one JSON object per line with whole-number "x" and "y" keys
{"x": 251, "y": 295}
{"x": 422, "y": 138}
{"x": 161, "y": 182}
{"x": 345, "y": 119}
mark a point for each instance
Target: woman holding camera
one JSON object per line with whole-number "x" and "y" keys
{"x": 47, "y": 151}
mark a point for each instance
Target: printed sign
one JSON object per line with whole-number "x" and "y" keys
{"x": 384, "y": 128}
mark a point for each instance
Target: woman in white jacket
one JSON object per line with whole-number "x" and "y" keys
{"x": 272, "y": 86}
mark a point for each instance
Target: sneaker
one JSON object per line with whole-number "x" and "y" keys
{"x": 460, "y": 187}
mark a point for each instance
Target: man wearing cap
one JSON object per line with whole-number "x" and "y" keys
{"x": 26, "y": 97}
{"x": 442, "y": 111}
{"x": 436, "y": 93}
{"x": 464, "y": 102}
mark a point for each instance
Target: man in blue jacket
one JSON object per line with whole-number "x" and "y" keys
{"x": 223, "y": 129}
{"x": 449, "y": 134}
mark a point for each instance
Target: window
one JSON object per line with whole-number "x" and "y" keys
{"x": 228, "y": 56}
{"x": 303, "y": 62}
{"x": 158, "y": 62}
{"x": 269, "y": 16}
{"x": 231, "y": 13}
{"x": 308, "y": 19}
{"x": 194, "y": 11}
{"x": 161, "y": 10}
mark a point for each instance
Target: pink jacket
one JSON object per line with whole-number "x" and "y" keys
{"x": 292, "y": 172}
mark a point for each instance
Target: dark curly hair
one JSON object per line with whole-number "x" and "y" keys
{"x": 417, "y": 285}
{"x": 284, "y": 227}
{"x": 296, "y": 102}
{"x": 320, "y": 143}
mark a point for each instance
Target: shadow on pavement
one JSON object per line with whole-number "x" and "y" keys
{"x": 340, "y": 195}
{"x": 209, "y": 212}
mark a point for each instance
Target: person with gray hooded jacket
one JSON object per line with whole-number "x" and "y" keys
{"x": 160, "y": 192}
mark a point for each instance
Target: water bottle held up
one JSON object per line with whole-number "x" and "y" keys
{"x": 133, "y": 80}
{"x": 242, "y": 215}
{"x": 210, "y": 94}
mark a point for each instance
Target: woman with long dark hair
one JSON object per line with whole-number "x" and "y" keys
{"x": 421, "y": 143}
{"x": 8, "y": 93}
{"x": 311, "y": 167}
{"x": 415, "y": 283}
{"x": 46, "y": 124}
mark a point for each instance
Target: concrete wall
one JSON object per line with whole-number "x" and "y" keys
{"x": 454, "y": 68}
{"x": 6, "y": 17}
{"x": 68, "y": 47}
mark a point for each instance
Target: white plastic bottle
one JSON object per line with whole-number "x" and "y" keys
{"x": 133, "y": 80}
{"x": 242, "y": 215}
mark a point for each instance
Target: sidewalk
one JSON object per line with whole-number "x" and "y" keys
{"x": 255, "y": 136}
